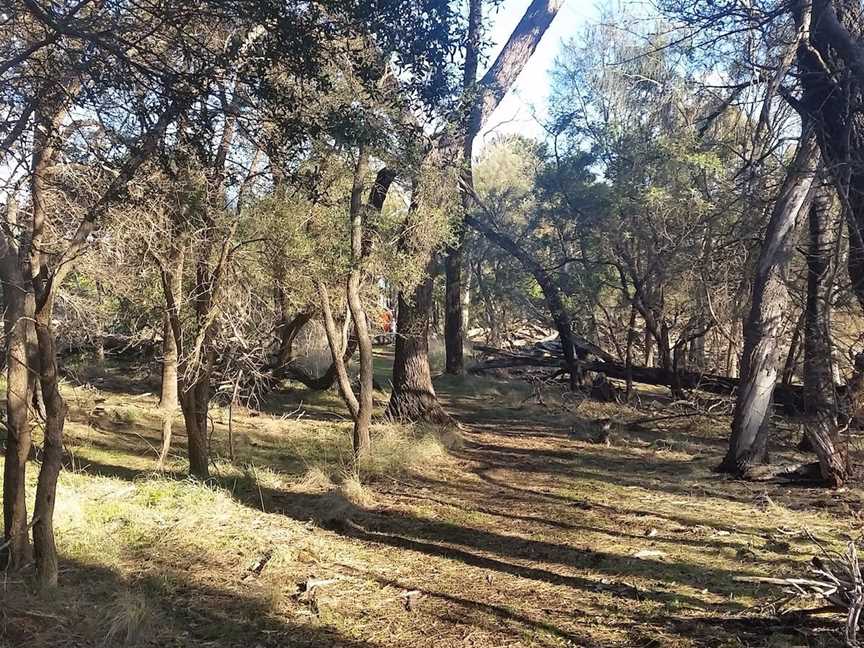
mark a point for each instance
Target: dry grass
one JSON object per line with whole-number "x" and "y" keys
{"x": 130, "y": 616}
{"x": 512, "y": 532}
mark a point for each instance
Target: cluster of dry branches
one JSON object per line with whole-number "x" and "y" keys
{"x": 832, "y": 577}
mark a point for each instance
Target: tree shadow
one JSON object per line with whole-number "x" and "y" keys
{"x": 495, "y": 614}
{"x": 481, "y": 548}
{"x": 96, "y": 607}
{"x": 418, "y": 483}
{"x": 619, "y": 465}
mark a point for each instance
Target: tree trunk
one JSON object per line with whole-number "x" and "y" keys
{"x": 361, "y": 440}
{"x": 288, "y": 330}
{"x": 822, "y": 424}
{"x": 195, "y": 368}
{"x": 413, "y": 396}
{"x": 696, "y": 352}
{"x": 19, "y": 316}
{"x": 172, "y": 280}
{"x": 628, "y": 354}
{"x": 168, "y": 392}
{"x": 45, "y": 551}
{"x": 648, "y": 349}
{"x": 454, "y": 335}
{"x": 454, "y": 338}
{"x": 748, "y": 443}
{"x": 791, "y": 364}
{"x": 359, "y": 251}
{"x": 194, "y": 402}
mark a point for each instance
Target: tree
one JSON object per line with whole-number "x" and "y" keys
{"x": 412, "y": 376}
{"x": 480, "y": 101}
{"x": 823, "y": 418}
{"x": 748, "y": 445}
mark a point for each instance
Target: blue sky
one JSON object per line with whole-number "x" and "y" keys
{"x": 515, "y": 114}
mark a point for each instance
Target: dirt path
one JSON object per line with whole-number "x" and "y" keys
{"x": 534, "y": 537}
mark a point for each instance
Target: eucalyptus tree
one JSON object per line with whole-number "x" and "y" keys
{"x": 413, "y": 395}
{"x": 812, "y": 55}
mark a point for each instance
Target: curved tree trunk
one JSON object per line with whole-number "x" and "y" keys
{"x": 822, "y": 425}
{"x": 748, "y": 444}
{"x": 326, "y": 380}
{"x": 44, "y": 550}
{"x": 334, "y": 341}
{"x": 548, "y": 285}
{"x": 288, "y": 330}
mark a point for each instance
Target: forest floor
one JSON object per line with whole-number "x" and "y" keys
{"x": 520, "y": 533}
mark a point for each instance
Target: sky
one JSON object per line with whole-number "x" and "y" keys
{"x": 517, "y": 110}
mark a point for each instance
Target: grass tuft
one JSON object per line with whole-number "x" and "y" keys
{"x": 354, "y": 492}
{"x": 130, "y": 617}
{"x": 398, "y": 449}
{"x": 316, "y": 478}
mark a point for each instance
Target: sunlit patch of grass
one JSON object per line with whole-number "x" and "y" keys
{"x": 398, "y": 448}
{"x": 128, "y": 415}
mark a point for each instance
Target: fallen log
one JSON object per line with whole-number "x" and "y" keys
{"x": 790, "y": 398}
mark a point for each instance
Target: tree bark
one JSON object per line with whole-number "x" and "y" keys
{"x": 194, "y": 402}
{"x": 822, "y": 425}
{"x": 648, "y": 340}
{"x": 748, "y": 443}
{"x": 172, "y": 280}
{"x": 359, "y": 251}
{"x": 20, "y": 372}
{"x": 413, "y": 397}
{"x": 454, "y": 335}
{"x": 791, "y": 364}
{"x": 628, "y": 354}
{"x": 45, "y": 552}
{"x": 515, "y": 54}
{"x": 362, "y": 229}
{"x": 334, "y": 341}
